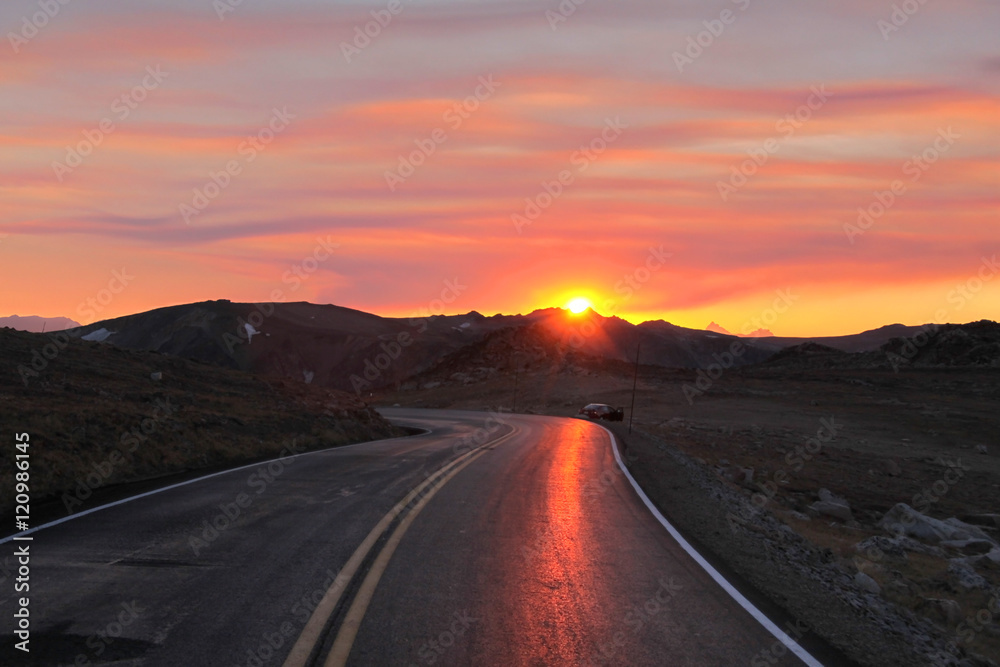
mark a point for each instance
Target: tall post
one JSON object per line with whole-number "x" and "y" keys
{"x": 635, "y": 382}
{"x": 516, "y": 369}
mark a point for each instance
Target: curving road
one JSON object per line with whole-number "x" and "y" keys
{"x": 487, "y": 540}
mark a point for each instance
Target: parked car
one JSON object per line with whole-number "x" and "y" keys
{"x": 602, "y": 411}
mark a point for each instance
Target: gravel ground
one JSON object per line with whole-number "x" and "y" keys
{"x": 801, "y": 577}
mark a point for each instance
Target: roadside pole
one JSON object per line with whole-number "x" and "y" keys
{"x": 635, "y": 382}
{"x": 514, "y": 409}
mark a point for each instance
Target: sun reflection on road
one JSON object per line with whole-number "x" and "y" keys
{"x": 559, "y": 586}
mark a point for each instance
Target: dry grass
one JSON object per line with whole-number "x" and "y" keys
{"x": 96, "y": 418}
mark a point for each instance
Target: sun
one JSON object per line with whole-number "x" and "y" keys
{"x": 578, "y": 305}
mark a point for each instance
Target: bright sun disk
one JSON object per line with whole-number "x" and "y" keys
{"x": 578, "y": 305}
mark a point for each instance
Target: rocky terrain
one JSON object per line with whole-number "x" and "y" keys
{"x": 975, "y": 344}
{"x": 99, "y": 416}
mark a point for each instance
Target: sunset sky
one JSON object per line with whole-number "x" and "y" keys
{"x": 683, "y": 161}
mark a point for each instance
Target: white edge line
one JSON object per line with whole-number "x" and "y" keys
{"x": 768, "y": 624}
{"x": 84, "y": 513}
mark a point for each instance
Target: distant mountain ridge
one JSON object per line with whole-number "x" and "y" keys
{"x": 347, "y": 349}
{"x": 37, "y": 324}
{"x": 759, "y": 333}
{"x": 717, "y": 328}
{"x": 933, "y": 346}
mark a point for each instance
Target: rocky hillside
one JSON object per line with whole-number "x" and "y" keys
{"x": 538, "y": 347}
{"x": 325, "y": 345}
{"x": 976, "y": 344}
{"x": 100, "y": 415}
{"x": 949, "y": 345}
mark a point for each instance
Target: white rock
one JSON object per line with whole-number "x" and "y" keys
{"x": 974, "y": 532}
{"x": 826, "y": 496}
{"x": 987, "y": 558}
{"x": 904, "y": 520}
{"x": 879, "y": 547}
{"x": 892, "y": 545}
{"x": 866, "y": 583}
{"x": 965, "y": 576}
{"x": 833, "y": 509}
{"x": 97, "y": 335}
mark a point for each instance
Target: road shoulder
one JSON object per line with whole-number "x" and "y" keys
{"x": 786, "y": 570}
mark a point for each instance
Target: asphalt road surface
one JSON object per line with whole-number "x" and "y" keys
{"x": 512, "y": 540}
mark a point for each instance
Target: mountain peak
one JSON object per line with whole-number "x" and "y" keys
{"x": 712, "y": 326}
{"x": 759, "y": 333}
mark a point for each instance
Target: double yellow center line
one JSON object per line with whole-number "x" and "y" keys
{"x": 312, "y": 634}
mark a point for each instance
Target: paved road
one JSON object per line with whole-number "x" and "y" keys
{"x": 478, "y": 543}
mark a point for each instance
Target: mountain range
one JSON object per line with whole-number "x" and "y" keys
{"x": 37, "y": 324}
{"x": 342, "y": 348}
{"x": 759, "y": 333}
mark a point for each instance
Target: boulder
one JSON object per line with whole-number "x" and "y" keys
{"x": 945, "y": 612}
{"x": 739, "y": 475}
{"x": 972, "y": 547}
{"x": 963, "y": 574}
{"x": 904, "y": 520}
{"x": 988, "y": 560}
{"x": 836, "y": 510}
{"x": 974, "y": 532}
{"x": 879, "y": 547}
{"x": 866, "y": 583}
{"x": 826, "y": 496}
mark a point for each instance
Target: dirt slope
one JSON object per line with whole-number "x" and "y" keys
{"x": 96, "y": 417}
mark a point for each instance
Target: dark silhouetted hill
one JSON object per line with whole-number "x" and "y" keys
{"x": 99, "y": 415}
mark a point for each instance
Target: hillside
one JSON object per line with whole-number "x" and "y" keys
{"x": 97, "y": 416}
{"x": 865, "y": 341}
{"x": 976, "y": 344}
{"x": 329, "y": 346}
